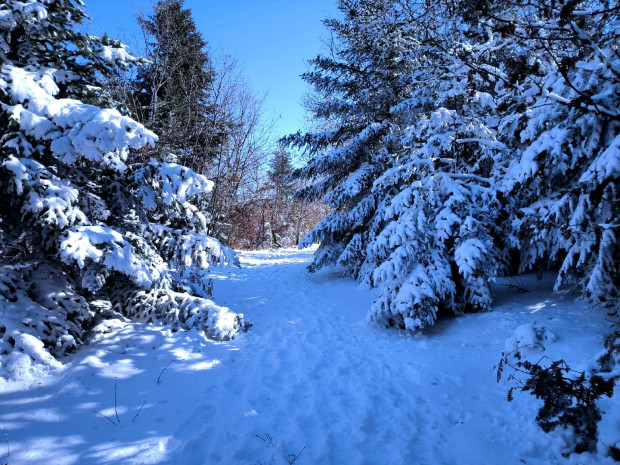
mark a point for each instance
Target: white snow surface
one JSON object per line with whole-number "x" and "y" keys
{"x": 75, "y": 129}
{"x": 311, "y": 378}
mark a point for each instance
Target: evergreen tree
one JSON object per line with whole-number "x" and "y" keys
{"x": 281, "y": 202}
{"x": 442, "y": 223}
{"x": 173, "y": 90}
{"x": 561, "y": 120}
{"x": 458, "y": 135}
{"x": 84, "y": 233}
{"x": 356, "y": 86}
{"x": 414, "y": 205}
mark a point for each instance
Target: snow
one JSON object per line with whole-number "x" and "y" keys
{"x": 76, "y": 129}
{"x": 29, "y": 362}
{"x": 83, "y": 245}
{"x": 20, "y": 171}
{"x": 116, "y": 54}
{"x": 177, "y": 183}
{"x": 606, "y": 165}
{"x": 529, "y": 338}
{"x": 467, "y": 254}
{"x": 311, "y": 378}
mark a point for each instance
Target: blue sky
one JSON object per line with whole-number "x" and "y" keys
{"x": 272, "y": 40}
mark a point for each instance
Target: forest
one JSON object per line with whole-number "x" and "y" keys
{"x": 455, "y": 147}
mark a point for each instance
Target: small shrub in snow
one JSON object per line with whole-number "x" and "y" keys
{"x": 569, "y": 397}
{"x": 568, "y": 402}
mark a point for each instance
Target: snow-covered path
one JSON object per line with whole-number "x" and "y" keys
{"x": 310, "y": 383}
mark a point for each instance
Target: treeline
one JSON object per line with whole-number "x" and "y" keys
{"x": 209, "y": 119}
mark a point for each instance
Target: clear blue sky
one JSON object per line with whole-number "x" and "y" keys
{"x": 272, "y": 40}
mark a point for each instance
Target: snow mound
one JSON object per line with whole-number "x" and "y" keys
{"x": 529, "y": 339}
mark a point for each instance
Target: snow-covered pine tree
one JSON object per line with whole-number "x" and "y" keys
{"x": 356, "y": 86}
{"x": 279, "y": 189}
{"x": 562, "y": 121}
{"x": 441, "y": 224}
{"x": 83, "y": 231}
{"x": 415, "y": 206}
{"x": 499, "y": 135}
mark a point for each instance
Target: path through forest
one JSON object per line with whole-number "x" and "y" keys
{"x": 310, "y": 383}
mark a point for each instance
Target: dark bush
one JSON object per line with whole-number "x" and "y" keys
{"x": 569, "y": 397}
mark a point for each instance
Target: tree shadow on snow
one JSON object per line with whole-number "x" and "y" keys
{"x": 112, "y": 403}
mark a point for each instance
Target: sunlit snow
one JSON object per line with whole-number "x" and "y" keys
{"x": 311, "y": 378}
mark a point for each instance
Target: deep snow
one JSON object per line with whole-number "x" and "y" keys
{"x": 311, "y": 382}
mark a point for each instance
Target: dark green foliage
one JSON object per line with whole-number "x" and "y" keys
{"x": 569, "y": 397}
{"x": 173, "y": 91}
{"x": 568, "y": 402}
{"x": 56, "y": 42}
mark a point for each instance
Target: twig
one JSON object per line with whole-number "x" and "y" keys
{"x": 516, "y": 367}
{"x": 517, "y": 286}
{"x": 162, "y": 371}
{"x": 106, "y": 417}
{"x": 115, "y": 409}
{"x": 292, "y": 458}
{"x": 134, "y": 418}
{"x": 267, "y": 439}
